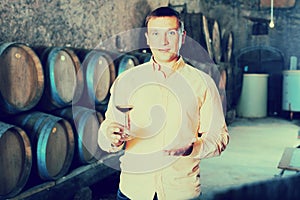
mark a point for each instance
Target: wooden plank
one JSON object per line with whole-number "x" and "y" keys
{"x": 34, "y": 190}
{"x": 295, "y": 160}
{"x": 289, "y": 159}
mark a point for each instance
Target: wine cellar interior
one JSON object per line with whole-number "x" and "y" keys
{"x": 59, "y": 58}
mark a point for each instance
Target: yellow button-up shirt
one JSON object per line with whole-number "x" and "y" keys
{"x": 170, "y": 109}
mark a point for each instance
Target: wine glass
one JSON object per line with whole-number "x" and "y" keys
{"x": 125, "y": 134}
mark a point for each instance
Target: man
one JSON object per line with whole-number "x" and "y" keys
{"x": 176, "y": 118}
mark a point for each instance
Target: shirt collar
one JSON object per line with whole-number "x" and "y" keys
{"x": 179, "y": 64}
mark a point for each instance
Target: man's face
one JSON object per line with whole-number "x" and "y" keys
{"x": 164, "y": 38}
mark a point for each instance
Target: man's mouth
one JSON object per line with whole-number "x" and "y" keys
{"x": 164, "y": 50}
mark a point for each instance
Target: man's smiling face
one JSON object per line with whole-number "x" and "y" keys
{"x": 164, "y": 38}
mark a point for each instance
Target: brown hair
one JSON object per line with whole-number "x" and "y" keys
{"x": 165, "y": 12}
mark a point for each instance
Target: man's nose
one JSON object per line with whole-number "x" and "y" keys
{"x": 165, "y": 39}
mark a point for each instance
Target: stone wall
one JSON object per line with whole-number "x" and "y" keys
{"x": 234, "y": 15}
{"x": 84, "y": 24}
{"x": 78, "y": 23}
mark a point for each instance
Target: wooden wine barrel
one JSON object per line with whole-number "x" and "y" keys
{"x": 61, "y": 66}
{"x": 122, "y": 61}
{"x": 100, "y": 117}
{"x": 208, "y": 67}
{"x": 208, "y": 40}
{"x": 85, "y": 123}
{"x": 15, "y": 159}
{"x": 99, "y": 74}
{"x": 193, "y": 23}
{"x": 101, "y": 108}
{"x": 141, "y": 56}
{"x": 227, "y": 46}
{"x": 222, "y": 85}
{"x": 231, "y": 86}
{"x": 52, "y": 142}
{"x": 188, "y": 26}
{"x": 125, "y": 62}
{"x": 216, "y": 42}
{"x": 21, "y": 78}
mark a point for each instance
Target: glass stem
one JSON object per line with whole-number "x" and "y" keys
{"x": 127, "y": 123}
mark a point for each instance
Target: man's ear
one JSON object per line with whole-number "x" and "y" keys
{"x": 183, "y": 37}
{"x": 147, "y": 38}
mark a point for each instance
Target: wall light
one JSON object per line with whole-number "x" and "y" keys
{"x": 271, "y": 24}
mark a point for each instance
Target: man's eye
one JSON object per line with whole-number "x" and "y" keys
{"x": 154, "y": 33}
{"x": 172, "y": 32}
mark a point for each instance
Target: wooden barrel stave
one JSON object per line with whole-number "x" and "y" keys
{"x": 222, "y": 85}
{"x": 227, "y": 46}
{"x": 207, "y": 35}
{"x": 216, "y": 42}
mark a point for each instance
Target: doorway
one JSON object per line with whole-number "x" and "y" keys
{"x": 264, "y": 60}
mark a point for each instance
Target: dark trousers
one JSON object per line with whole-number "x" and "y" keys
{"x": 121, "y": 196}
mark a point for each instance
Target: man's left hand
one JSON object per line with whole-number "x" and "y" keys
{"x": 183, "y": 151}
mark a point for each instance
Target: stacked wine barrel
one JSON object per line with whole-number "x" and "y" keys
{"x": 218, "y": 43}
{"x": 52, "y": 101}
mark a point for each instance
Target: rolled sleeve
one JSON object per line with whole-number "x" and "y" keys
{"x": 212, "y": 126}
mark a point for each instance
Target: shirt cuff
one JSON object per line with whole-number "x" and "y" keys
{"x": 197, "y": 148}
{"x": 114, "y": 148}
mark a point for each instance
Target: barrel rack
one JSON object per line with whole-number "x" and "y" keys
{"x": 74, "y": 182}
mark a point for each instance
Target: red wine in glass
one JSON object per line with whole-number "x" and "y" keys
{"x": 124, "y": 108}
{"x": 125, "y": 135}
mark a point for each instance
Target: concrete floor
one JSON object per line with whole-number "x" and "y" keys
{"x": 253, "y": 154}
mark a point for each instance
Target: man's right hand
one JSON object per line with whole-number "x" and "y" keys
{"x": 113, "y": 133}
